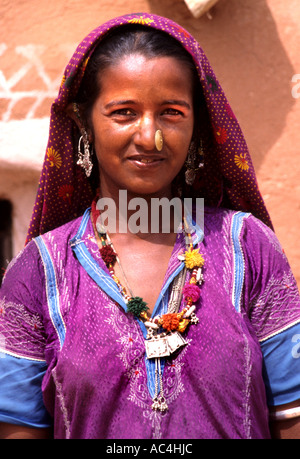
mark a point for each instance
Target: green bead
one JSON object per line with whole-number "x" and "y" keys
{"x": 136, "y": 305}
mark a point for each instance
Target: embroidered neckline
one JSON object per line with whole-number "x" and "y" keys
{"x": 159, "y": 344}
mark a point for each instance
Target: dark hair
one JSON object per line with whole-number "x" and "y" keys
{"x": 125, "y": 41}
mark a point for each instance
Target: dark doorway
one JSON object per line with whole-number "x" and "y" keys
{"x": 5, "y": 235}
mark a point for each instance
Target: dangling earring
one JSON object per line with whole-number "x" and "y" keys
{"x": 194, "y": 162}
{"x": 84, "y": 159}
{"x": 201, "y": 155}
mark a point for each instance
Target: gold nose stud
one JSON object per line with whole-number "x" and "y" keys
{"x": 159, "y": 141}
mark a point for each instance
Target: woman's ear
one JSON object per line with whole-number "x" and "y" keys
{"x": 73, "y": 112}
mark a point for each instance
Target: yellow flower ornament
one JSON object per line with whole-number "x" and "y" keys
{"x": 192, "y": 259}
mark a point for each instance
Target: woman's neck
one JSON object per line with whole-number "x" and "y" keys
{"x": 125, "y": 212}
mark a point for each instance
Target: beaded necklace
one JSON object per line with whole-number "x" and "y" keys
{"x": 159, "y": 343}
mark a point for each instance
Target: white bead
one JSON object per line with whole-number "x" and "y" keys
{"x": 199, "y": 276}
{"x": 190, "y": 311}
{"x": 100, "y": 228}
{"x": 151, "y": 324}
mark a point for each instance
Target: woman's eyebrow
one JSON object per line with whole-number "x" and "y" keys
{"x": 177, "y": 102}
{"x": 113, "y": 103}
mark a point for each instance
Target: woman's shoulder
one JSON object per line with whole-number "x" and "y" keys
{"x": 68, "y": 229}
{"x": 63, "y": 235}
{"x": 223, "y": 215}
{"x": 219, "y": 218}
{"x": 240, "y": 227}
{"x": 58, "y": 238}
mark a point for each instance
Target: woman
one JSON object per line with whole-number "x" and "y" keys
{"x": 141, "y": 332}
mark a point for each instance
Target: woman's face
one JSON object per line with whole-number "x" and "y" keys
{"x": 138, "y": 96}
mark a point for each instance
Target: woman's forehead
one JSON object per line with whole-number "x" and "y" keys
{"x": 138, "y": 71}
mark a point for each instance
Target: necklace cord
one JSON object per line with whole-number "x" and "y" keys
{"x": 159, "y": 344}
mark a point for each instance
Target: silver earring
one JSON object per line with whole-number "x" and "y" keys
{"x": 194, "y": 162}
{"x": 84, "y": 159}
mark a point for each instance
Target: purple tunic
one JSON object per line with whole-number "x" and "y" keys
{"x": 64, "y": 327}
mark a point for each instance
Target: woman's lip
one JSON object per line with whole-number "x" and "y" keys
{"x": 146, "y": 161}
{"x": 146, "y": 158}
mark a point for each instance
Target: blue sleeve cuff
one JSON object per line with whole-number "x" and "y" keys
{"x": 21, "y": 399}
{"x": 281, "y": 370}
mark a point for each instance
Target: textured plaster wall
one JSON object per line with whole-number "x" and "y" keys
{"x": 253, "y": 46}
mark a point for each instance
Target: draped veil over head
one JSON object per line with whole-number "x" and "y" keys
{"x": 226, "y": 180}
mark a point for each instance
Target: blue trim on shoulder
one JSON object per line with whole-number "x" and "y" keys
{"x": 238, "y": 258}
{"x": 195, "y": 222}
{"x": 83, "y": 224}
{"x": 52, "y": 292}
{"x": 102, "y": 279}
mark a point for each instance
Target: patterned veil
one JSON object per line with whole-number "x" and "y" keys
{"x": 227, "y": 179}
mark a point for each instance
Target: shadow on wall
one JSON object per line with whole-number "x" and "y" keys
{"x": 242, "y": 44}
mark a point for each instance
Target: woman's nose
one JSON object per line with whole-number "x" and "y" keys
{"x": 145, "y": 133}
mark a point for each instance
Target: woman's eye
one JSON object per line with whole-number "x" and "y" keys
{"x": 123, "y": 112}
{"x": 172, "y": 111}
